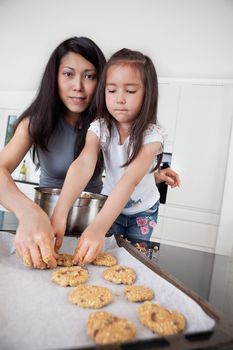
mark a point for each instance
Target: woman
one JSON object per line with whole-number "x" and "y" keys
{"x": 54, "y": 126}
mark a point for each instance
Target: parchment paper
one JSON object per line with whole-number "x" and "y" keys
{"x": 35, "y": 313}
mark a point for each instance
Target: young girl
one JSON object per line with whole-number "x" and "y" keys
{"x": 126, "y": 133}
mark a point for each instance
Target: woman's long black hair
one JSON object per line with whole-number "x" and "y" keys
{"x": 47, "y": 108}
{"x": 148, "y": 112}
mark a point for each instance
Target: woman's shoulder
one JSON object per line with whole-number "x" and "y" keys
{"x": 22, "y": 125}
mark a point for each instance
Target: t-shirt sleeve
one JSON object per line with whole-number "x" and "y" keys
{"x": 95, "y": 127}
{"x": 99, "y": 127}
{"x": 154, "y": 134}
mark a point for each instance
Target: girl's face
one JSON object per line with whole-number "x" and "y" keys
{"x": 124, "y": 92}
{"x": 76, "y": 84}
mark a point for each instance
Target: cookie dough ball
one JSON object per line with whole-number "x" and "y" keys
{"x": 120, "y": 275}
{"x": 70, "y": 276}
{"x": 138, "y": 293}
{"x": 161, "y": 320}
{"x": 105, "y": 328}
{"x": 104, "y": 259}
{"x": 65, "y": 260}
{"x": 88, "y": 296}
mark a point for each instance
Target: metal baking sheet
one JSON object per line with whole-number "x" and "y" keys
{"x": 36, "y": 313}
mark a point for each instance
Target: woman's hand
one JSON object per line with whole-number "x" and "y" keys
{"x": 169, "y": 176}
{"x": 89, "y": 246}
{"x": 59, "y": 227}
{"x": 34, "y": 239}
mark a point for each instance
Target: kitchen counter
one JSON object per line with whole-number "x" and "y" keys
{"x": 209, "y": 275}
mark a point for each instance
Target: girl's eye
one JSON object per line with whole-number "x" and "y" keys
{"x": 131, "y": 91}
{"x": 111, "y": 91}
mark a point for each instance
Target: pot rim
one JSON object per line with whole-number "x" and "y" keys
{"x": 84, "y": 194}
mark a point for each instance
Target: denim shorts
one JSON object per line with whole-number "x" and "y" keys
{"x": 137, "y": 226}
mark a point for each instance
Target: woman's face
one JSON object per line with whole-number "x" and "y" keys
{"x": 76, "y": 84}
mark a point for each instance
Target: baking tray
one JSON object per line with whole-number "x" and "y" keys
{"x": 220, "y": 335}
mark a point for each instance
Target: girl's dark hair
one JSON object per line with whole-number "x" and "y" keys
{"x": 47, "y": 108}
{"x": 148, "y": 112}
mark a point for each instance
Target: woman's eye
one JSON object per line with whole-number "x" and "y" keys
{"x": 90, "y": 76}
{"x": 111, "y": 91}
{"x": 67, "y": 74}
{"x": 131, "y": 91}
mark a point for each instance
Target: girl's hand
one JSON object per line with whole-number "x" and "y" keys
{"x": 34, "y": 239}
{"x": 89, "y": 246}
{"x": 169, "y": 176}
{"x": 59, "y": 228}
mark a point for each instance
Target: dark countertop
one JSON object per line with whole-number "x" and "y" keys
{"x": 209, "y": 275}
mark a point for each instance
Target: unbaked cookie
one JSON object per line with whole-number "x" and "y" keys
{"x": 89, "y": 296}
{"x": 70, "y": 276}
{"x": 104, "y": 259}
{"x": 120, "y": 275}
{"x": 138, "y": 293}
{"x": 105, "y": 328}
{"x": 66, "y": 260}
{"x": 161, "y": 320}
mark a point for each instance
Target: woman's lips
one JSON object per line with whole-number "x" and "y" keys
{"x": 77, "y": 100}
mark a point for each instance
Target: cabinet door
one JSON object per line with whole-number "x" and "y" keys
{"x": 201, "y": 146}
{"x": 167, "y": 111}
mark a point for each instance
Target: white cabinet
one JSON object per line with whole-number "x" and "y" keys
{"x": 167, "y": 110}
{"x": 200, "y": 154}
{"x": 201, "y": 146}
{"x": 224, "y": 243}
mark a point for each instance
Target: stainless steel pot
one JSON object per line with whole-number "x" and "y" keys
{"x": 82, "y": 213}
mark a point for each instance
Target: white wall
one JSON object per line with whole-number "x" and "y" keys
{"x": 185, "y": 38}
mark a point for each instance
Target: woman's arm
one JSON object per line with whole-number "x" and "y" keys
{"x": 78, "y": 176}
{"x": 34, "y": 233}
{"x": 92, "y": 239}
{"x": 169, "y": 176}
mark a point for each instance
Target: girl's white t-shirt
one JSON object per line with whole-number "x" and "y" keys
{"x": 146, "y": 193}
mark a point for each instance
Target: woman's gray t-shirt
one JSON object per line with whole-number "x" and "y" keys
{"x": 55, "y": 162}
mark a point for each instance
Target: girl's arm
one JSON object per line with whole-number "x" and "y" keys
{"x": 34, "y": 233}
{"x": 92, "y": 239}
{"x": 78, "y": 176}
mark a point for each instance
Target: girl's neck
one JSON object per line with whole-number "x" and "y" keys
{"x": 123, "y": 130}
